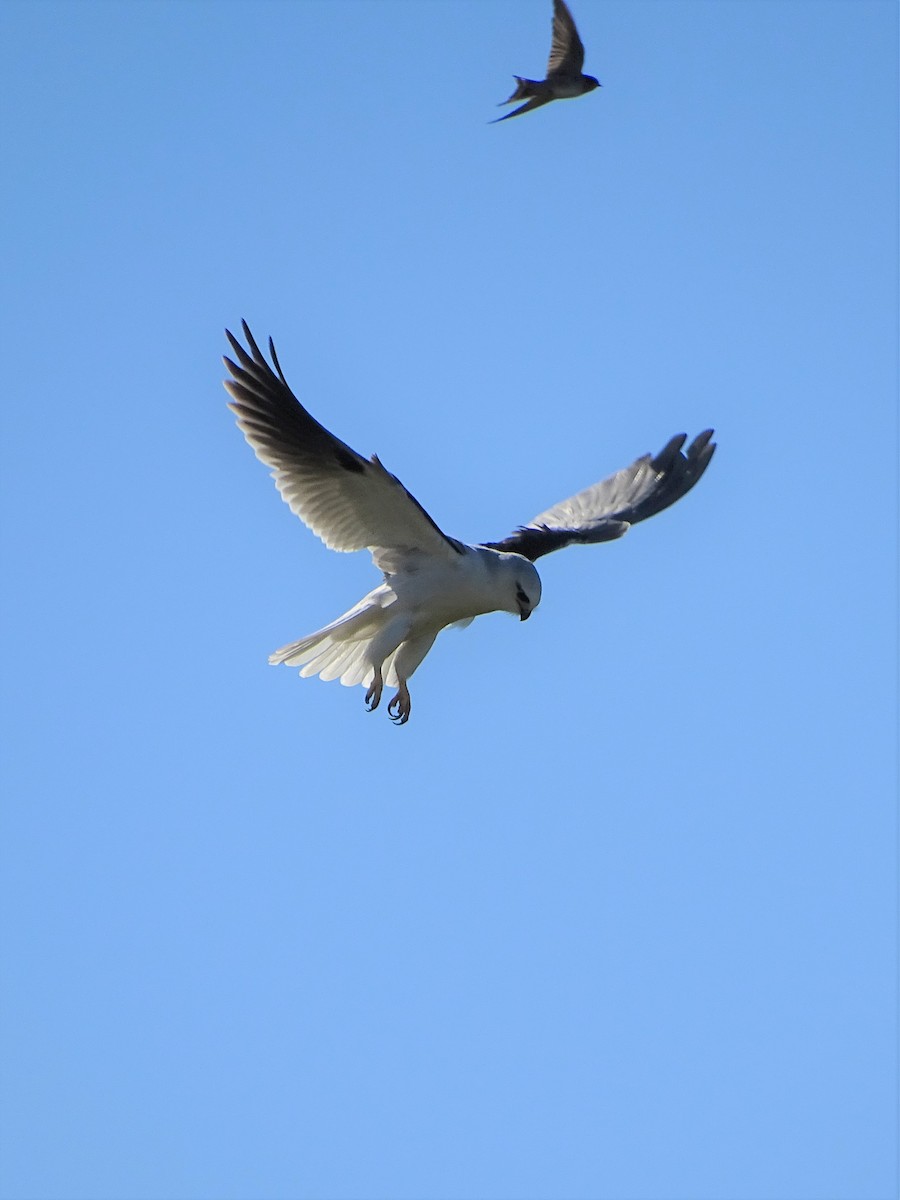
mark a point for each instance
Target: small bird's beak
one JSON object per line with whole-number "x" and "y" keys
{"x": 524, "y": 614}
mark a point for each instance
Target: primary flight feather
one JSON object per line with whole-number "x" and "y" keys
{"x": 430, "y": 580}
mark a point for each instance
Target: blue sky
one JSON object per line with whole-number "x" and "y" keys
{"x": 614, "y": 915}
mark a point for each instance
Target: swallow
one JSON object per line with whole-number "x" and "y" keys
{"x": 564, "y": 77}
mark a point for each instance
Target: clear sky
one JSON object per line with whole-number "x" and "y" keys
{"x": 613, "y": 917}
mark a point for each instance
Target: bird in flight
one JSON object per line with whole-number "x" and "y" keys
{"x": 564, "y": 77}
{"x": 431, "y": 580}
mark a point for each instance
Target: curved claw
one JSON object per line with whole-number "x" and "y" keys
{"x": 373, "y": 695}
{"x": 400, "y": 706}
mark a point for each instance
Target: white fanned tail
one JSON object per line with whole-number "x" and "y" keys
{"x": 340, "y": 650}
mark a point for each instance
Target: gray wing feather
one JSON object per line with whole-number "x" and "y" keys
{"x": 350, "y": 502}
{"x": 608, "y": 509}
{"x": 566, "y": 48}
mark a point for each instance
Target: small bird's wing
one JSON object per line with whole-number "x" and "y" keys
{"x": 608, "y": 509}
{"x": 348, "y": 501}
{"x": 566, "y": 49}
{"x": 534, "y": 102}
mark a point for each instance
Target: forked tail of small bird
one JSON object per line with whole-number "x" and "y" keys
{"x": 525, "y": 89}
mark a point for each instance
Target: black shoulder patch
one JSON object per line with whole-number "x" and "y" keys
{"x": 348, "y": 461}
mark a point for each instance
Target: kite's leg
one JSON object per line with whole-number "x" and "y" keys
{"x": 373, "y": 695}
{"x": 401, "y": 705}
{"x": 379, "y": 650}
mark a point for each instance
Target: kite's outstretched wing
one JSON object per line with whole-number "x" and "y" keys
{"x": 348, "y": 501}
{"x": 566, "y": 49}
{"x": 608, "y": 509}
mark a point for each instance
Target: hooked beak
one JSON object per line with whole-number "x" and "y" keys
{"x": 524, "y": 614}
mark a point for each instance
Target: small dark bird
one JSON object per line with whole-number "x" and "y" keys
{"x": 564, "y": 77}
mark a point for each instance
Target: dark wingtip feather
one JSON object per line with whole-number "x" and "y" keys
{"x": 276, "y": 363}
{"x": 699, "y": 453}
{"x": 251, "y": 342}
{"x": 669, "y": 453}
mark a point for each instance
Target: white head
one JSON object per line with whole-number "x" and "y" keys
{"x": 523, "y": 585}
